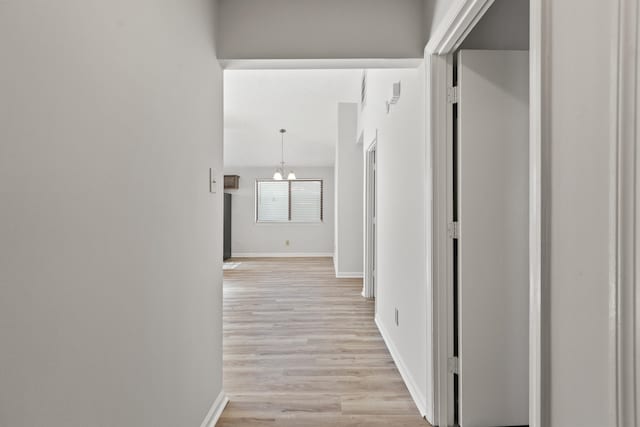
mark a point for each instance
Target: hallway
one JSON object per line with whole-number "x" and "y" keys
{"x": 301, "y": 349}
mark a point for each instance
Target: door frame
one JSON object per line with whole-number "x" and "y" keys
{"x": 371, "y": 203}
{"x": 624, "y": 211}
{"x": 624, "y": 205}
{"x": 461, "y": 18}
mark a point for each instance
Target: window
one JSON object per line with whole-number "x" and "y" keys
{"x": 289, "y": 201}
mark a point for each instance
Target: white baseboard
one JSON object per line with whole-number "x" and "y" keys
{"x": 282, "y": 255}
{"x": 418, "y": 398}
{"x": 349, "y": 275}
{"x": 364, "y": 295}
{"x": 216, "y": 410}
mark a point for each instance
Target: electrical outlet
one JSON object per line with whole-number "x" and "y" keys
{"x": 287, "y": 243}
{"x": 397, "y": 317}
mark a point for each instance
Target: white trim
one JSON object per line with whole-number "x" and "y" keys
{"x": 301, "y": 64}
{"x": 282, "y": 255}
{"x": 623, "y": 236}
{"x": 349, "y": 275}
{"x": 539, "y": 191}
{"x": 368, "y": 290}
{"x": 428, "y": 265}
{"x": 459, "y": 20}
{"x": 418, "y": 398}
{"x": 450, "y": 266}
{"x": 216, "y": 410}
{"x": 436, "y": 67}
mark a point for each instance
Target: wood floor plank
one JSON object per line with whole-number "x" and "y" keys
{"x": 301, "y": 350}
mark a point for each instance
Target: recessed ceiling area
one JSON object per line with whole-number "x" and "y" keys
{"x": 257, "y": 103}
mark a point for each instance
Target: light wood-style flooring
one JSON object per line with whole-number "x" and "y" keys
{"x": 301, "y": 349}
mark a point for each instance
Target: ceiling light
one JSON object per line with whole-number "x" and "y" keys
{"x": 280, "y": 172}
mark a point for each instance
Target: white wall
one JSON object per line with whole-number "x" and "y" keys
{"x": 580, "y": 119}
{"x": 251, "y": 238}
{"x": 257, "y": 103}
{"x": 311, "y": 29}
{"x": 434, "y": 11}
{"x": 349, "y": 180}
{"x": 401, "y": 223}
{"x": 110, "y": 243}
{"x": 505, "y": 26}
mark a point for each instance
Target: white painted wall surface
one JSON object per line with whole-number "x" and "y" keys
{"x": 257, "y": 103}
{"x": 349, "y": 189}
{"x": 349, "y": 184}
{"x": 505, "y": 26}
{"x": 311, "y": 29}
{"x": 434, "y": 11}
{"x": 580, "y": 120}
{"x": 110, "y": 243}
{"x": 401, "y": 245}
{"x": 251, "y": 238}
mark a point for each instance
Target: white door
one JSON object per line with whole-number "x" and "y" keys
{"x": 492, "y": 192}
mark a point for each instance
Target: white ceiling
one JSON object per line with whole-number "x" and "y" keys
{"x": 257, "y": 103}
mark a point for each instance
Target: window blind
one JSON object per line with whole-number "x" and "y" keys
{"x": 289, "y": 201}
{"x": 306, "y": 201}
{"x": 273, "y": 201}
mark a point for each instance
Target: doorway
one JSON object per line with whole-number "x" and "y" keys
{"x": 480, "y": 194}
{"x": 287, "y": 308}
{"x": 369, "y": 290}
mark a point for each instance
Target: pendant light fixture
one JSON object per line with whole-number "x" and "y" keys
{"x": 280, "y": 173}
